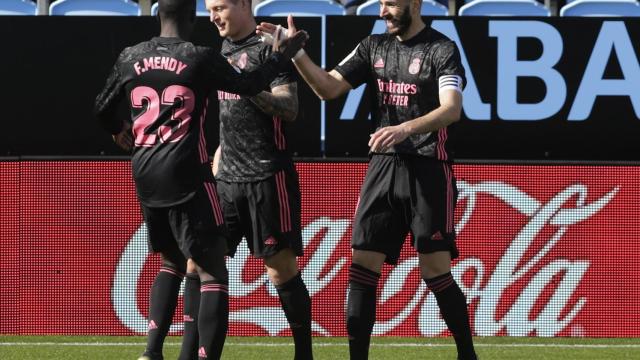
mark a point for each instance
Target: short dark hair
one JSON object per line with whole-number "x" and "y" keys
{"x": 176, "y": 9}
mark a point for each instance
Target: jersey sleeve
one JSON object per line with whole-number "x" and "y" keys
{"x": 106, "y": 104}
{"x": 356, "y": 66}
{"x": 447, "y": 62}
{"x": 225, "y": 77}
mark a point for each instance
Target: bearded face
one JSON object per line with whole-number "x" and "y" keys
{"x": 397, "y": 18}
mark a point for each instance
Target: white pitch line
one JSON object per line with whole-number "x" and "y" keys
{"x": 258, "y": 344}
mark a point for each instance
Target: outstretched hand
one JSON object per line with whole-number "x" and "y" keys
{"x": 268, "y": 30}
{"x": 286, "y": 41}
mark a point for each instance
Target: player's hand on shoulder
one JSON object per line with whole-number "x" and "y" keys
{"x": 124, "y": 139}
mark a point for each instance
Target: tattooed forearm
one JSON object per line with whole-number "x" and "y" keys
{"x": 282, "y": 101}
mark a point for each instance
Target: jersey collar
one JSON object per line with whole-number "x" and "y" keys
{"x": 167, "y": 40}
{"x": 243, "y": 40}
{"x": 419, "y": 37}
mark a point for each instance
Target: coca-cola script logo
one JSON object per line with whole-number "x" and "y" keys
{"x": 530, "y": 268}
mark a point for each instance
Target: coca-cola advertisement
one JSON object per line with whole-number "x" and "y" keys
{"x": 546, "y": 250}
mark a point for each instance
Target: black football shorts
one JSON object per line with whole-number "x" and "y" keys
{"x": 266, "y": 212}
{"x": 406, "y": 194}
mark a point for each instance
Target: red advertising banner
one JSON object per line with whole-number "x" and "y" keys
{"x": 545, "y": 251}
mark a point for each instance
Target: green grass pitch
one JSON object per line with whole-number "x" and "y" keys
{"x": 382, "y": 348}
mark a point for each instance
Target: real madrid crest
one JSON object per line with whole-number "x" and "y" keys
{"x": 414, "y": 67}
{"x": 242, "y": 61}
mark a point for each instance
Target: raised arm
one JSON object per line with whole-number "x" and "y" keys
{"x": 225, "y": 77}
{"x": 326, "y": 85}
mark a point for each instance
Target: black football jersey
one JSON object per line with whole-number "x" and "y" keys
{"x": 253, "y": 144}
{"x": 166, "y": 82}
{"x": 403, "y": 79}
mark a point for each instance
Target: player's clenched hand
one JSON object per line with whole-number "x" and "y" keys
{"x": 386, "y": 137}
{"x": 124, "y": 139}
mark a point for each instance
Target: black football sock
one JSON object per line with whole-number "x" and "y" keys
{"x": 361, "y": 310}
{"x": 296, "y": 304}
{"x": 453, "y": 307}
{"x": 191, "y": 301}
{"x": 162, "y": 306}
{"x": 213, "y": 319}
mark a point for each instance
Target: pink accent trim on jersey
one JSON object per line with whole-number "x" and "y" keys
{"x": 278, "y": 134}
{"x": 215, "y": 205}
{"x": 202, "y": 144}
{"x": 283, "y": 199}
{"x": 171, "y": 271}
{"x": 438, "y": 151}
{"x": 449, "y": 200}
{"x": 441, "y": 152}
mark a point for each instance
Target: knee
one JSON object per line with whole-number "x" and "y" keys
{"x": 174, "y": 263}
{"x": 217, "y": 276}
{"x": 434, "y": 264}
{"x": 211, "y": 270}
{"x": 431, "y": 270}
{"x": 281, "y": 267}
{"x": 371, "y": 260}
{"x": 191, "y": 266}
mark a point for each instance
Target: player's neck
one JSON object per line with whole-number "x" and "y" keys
{"x": 416, "y": 27}
{"x": 248, "y": 29}
{"x": 174, "y": 31}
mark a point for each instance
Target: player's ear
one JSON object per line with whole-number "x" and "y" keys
{"x": 417, "y": 6}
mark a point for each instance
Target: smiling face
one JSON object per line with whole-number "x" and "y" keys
{"x": 397, "y": 15}
{"x": 232, "y": 18}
